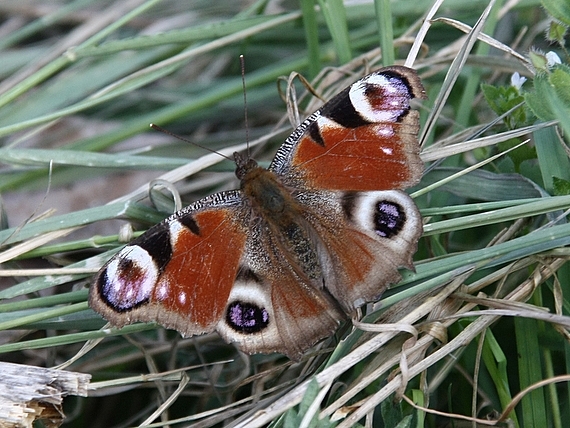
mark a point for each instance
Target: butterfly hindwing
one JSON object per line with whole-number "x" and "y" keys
{"x": 382, "y": 229}
{"x": 276, "y": 311}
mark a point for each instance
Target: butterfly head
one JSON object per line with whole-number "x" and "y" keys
{"x": 244, "y": 165}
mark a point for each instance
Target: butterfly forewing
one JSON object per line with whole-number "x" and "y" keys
{"x": 180, "y": 273}
{"x": 365, "y": 138}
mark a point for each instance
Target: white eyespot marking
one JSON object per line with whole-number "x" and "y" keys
{"x": 128, "y": 279}
{"x": 250, "y": 292}
{"x": 182, "y": 298}
{"x": 378, "y": 98}
{"x": 176, "y": 229}
{"x": 387, "y": 150}
{"x": 324, "y": 123}
{"x": 384, "y": 131}
{"x": 162, "y": 291}
{"x": 390, "y": 215}
{"x": 249, "y": 313}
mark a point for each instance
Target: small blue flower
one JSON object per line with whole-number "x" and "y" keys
{"x": 552, "y": 59}
{"x": 517, "y": 80}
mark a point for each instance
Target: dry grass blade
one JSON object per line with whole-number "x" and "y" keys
{"x": 453, "y": 73}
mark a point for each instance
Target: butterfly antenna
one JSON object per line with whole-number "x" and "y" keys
{"x": 242, "y": 64}
{"x": 181, "y": 138}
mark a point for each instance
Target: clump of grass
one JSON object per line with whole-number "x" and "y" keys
{"x": 484, "y": 315}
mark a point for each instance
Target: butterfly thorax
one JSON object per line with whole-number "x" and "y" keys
{"x": 268, "y": 196}
{"x": 264, "y": 191}
{"x": 282, "y": 218}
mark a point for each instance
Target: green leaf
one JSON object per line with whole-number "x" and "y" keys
{"x": 294, "y": 418}
{"x": 559, "y": 9}
{"x": 504, "y": 98}
{"x": 391, "y": 413}
{"x": 561, "y": 186}
{"x": 534, "y": 409}
{"x": 310, "y": 396}
{"x": 550, "y": 99}
{"x": 335, "y": 17}
{"x": 556, "y": 33}
{"x": 519, "y": 155}
{"x": 291, "y": 419}
{"x": 496, "y": 364}
{"x": 560, "y": 81}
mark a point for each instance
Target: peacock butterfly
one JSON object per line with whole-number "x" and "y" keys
{"x": 276, "y": 265}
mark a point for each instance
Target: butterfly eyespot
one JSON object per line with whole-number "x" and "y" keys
{"x": 128, "y": 280}
{"x": 381, "y": 98}
{"x": 247, "y": 317}
{"x": 389, "y": 218}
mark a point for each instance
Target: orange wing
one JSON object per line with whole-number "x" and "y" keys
{"x": 365, "y": 138}
{"x": 180, "y": 273}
